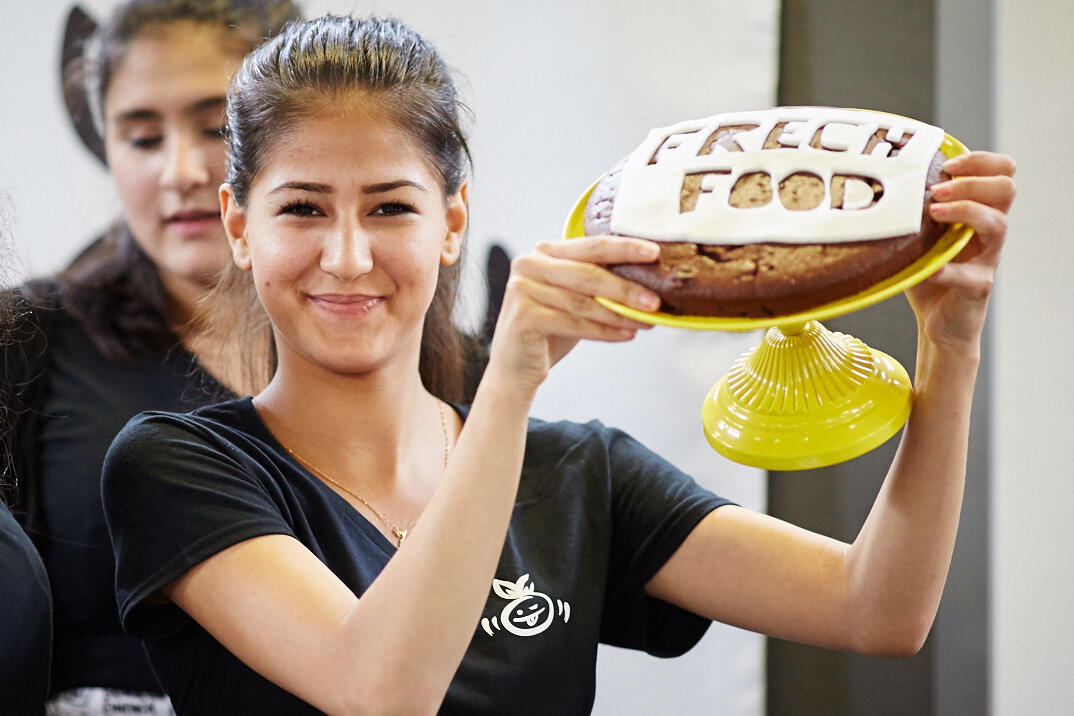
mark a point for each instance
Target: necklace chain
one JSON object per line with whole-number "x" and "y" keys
{"x": 398, "y": 532}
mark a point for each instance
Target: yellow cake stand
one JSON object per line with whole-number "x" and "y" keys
{"x": 805, "y": 397}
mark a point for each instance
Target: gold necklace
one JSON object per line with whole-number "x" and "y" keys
{"x": 398, "y": 532}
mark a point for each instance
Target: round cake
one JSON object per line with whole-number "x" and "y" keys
{"x": 769, "y": 274}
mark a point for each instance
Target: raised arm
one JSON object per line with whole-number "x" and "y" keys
{"x": 394, "y": 649}
{"x": 880, "y": 594}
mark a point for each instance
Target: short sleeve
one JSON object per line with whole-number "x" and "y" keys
{"x": 175, "y": 494}
{"x": 654, "y": 506}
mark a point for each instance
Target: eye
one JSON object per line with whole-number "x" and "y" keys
{"x": 216, "y": 132}
{"x": 393, "y": 208}
{"x": 299, "y": 207}
{"x": 151, "y": 142}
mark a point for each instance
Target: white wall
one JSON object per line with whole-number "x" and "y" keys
{"x": 561, "y": 90}
{"x": 1033, "y": 477}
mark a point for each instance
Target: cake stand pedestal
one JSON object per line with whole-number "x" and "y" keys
{"x": 806, "y": 397}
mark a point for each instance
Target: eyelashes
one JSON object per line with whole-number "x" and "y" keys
{"x": 305, "y": 208}
{"x": 154, "y": 141}
{"x": 299, "y": 207}
{"x": 145, "y": 142}
{"x": 394, "y": 208}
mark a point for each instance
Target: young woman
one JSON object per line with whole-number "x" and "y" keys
{"x": 109, "y": 337}
{"x": 346, "y": 541}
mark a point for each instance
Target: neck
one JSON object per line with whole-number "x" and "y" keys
{"x": 381, "y": 426}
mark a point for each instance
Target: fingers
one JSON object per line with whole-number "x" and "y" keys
{"x": 979, "y": 196}
{"x": 980, "y": 164}
{"x": 602, "y": 249}
{"x": 549, "y": 298}
{"x": 996, "y": 191}
{"x": 989, "y": 225}
{"x": 573, "y": 303}
{"x": 541, "y": 314}
{"x": 582, "y": 277}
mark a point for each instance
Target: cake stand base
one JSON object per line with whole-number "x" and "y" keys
{"x": 806, "y": 397}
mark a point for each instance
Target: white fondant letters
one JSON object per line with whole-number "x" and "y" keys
{"x": 841, "y": 175}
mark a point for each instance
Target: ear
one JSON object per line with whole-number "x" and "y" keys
{"x": 234, "y": 219}
{"x": 457, "y": 217}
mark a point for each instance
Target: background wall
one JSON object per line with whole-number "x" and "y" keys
{"x": 880, "y": 56}
{"x": 996, "y": 74}
{"x": 1033, "y": 481}
{"x": 561, "y": 90}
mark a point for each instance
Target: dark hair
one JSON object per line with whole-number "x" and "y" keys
{"x": 113, "y": 287}
{"x": 295, "y": 75}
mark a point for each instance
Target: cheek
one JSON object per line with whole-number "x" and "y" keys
{"x": 135, "y": 184}
{"x": 277, "y": 260}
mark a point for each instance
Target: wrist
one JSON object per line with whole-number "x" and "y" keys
{"x": 505, "y": 389}
{"x": 956, "y": 346}
{"x": 950, "y": 363}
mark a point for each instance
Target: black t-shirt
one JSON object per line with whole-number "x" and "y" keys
{"x": 25, "y": 622}
{"x": 596, "y": 516}
{"x": 88, "y": 398}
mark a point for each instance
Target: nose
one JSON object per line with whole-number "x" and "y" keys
{"x": 185, "y": 165}
{"x": 347, "y": 253}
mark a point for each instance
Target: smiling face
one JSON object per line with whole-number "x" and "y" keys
{"x": 528, "y": 615}
{"x": 163, "y": 112}
{"x": 345, "y": 228}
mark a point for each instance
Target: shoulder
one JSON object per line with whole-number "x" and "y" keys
{"x": 545, "y": 433}
{"x": 218, "y": 424}
{"x": 563, "y": 437}
{"x": 566, "y": 432}
{"x": 557, "y": 439}
{"x": 162, "y": 455}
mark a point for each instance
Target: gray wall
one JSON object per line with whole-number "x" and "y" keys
{"x": 1033, "y": 480}
{"x": 890, "y": 56}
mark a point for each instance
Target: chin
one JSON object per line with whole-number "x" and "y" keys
{"x": 361, "y": 361}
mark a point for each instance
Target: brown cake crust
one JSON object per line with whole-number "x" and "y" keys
{"x": 765, "y": 279}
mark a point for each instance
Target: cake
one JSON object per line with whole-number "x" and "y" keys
{"x": 773, "y": 212}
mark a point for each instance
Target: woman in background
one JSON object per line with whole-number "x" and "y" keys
{"x": 348, "y": 541}
{"x": 111, "y": 335}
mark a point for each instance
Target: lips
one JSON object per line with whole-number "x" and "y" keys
{"x": 346, "y": 304}
{"x": 194, "y": 215}
{"x": 193, "y": 222}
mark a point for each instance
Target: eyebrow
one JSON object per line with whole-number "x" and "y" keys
{"x": 136, "y": 115}
{"x": 379, "y": 188}
{"x": 390, "y": 185}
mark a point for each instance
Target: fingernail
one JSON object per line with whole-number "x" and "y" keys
{"x": 649, "y": 301}
{"x": 952, "y": 164}
{"x": 649, "y": 251}
{"x": 942, "y": 190}
{"x": 940, "y": 211}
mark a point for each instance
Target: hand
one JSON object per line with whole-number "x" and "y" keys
{"x": 549, "y": 303}
{"x": 952, "y": 303}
